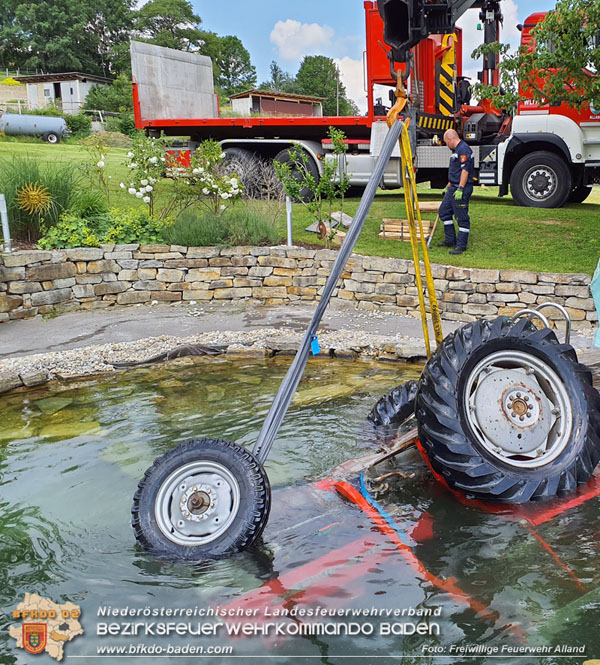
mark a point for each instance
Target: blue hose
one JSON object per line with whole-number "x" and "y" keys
{"x": 381, "y": 510}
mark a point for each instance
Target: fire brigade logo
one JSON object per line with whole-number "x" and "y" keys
{"x": 35, "y": 636}
{"x": 47, "y": 626}
{"x": 463, "y": 159}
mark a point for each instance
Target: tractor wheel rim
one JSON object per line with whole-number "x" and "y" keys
{"x": 518, "y": 408}
{"x": 197, "y": 503}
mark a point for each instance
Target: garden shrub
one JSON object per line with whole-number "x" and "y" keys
{"x": 115, "y": 226}
{"x": 132, "y": 225}
{"x": 238, "y": 226}
{"x": 80, "y": 124}
{"x": 124, "y": 124}
{"x": 247, "y": 226}
{"x": 116, "y": 97}
{"x": 88, "y": 203}
{"x": 198, "y": 230}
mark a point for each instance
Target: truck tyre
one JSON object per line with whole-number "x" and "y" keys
{"x": 579, "y": 194}
{"x": 51, "y": 137}
{"x": 242, "y": 162}
{"x": 237, "y": 155}
{"x": 202, "y": 499}
{"x": 541, "y": 180}
{"x": 284, "y": 157}
{"x": 507, "y": 413}
{"x": 394, "y": 408}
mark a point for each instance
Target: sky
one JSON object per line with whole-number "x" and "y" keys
{"x": 287, "y": 31}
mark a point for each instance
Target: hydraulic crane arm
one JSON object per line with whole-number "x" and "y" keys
{"x": 407, "y": 22}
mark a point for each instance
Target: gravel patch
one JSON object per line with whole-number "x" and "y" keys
{"x": 97, "y": 359}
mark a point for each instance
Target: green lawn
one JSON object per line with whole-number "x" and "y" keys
{"x": 503, "y": 235}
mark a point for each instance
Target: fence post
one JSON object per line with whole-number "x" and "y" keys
{"x": 288, "y": 209}
{"x": 5, "y": 229}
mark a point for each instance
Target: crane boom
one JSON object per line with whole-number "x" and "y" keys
{"x": 407, "y": 22}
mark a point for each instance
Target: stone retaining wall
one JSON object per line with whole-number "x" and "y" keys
{"x": 41, "y": 282}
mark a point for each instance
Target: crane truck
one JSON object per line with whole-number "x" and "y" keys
{"x": 544, "y": 155}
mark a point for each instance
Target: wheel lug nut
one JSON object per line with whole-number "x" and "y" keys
{"x": 513, "y": 414}
{"x": 521, "y": 418}
{"x": 518, "y": 394}
{"x": 526, "y": 398}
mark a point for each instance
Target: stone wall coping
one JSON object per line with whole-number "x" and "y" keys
{"x": 38, "y": 282}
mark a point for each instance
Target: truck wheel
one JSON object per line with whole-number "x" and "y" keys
{"x": 237, "y": 155}
{"x": 507, "y": 413}
{"x": 202, "y": 499}
{"x": 540, "y": 180}
{"x": 51, "y": 137}
{"x": 297, "y": 169}
{"x": 242, "y": 162}
{"x": 579, "y": 194}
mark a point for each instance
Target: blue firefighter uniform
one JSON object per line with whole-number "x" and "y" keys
{"x": 461, "y": 159}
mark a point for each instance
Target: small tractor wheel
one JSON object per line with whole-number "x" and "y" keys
{"x": 394, "y": 408}
{"x": 202, "y": 499}
{"x": 507, "y": 413}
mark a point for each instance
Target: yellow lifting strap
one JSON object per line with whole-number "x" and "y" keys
{"x": 414, "y": 215}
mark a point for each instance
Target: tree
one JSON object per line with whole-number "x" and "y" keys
{"x": 11, "y": 47}
{"x": 280, "y": 80}
{"x": 562, "y": 66}
{"x": 64, "y": 35}
{"x": 53, "y": 36}
{"x": 235, "y": 70}
{"x": 116, "y": 97}
{"x": 319, "y": 76}
{"x": 111, "y": 25}
{"x": 170, "y": 23}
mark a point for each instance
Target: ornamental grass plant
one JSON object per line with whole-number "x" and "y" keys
{"x": 37, "y": 193}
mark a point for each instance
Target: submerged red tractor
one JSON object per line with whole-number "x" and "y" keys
{"x": 504, "y": 410}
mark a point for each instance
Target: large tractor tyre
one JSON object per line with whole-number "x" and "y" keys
{"x": 298, "y": 166}
{"x": 579, "y": 194}
{"x": 394, "y": 408}
{"x": 507, "y": 413}
{"x": 202, "y": 499}
{"x": 541, "y": 180}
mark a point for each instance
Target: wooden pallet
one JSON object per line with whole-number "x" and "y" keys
{"x": 429, "y": 206}
{"x": 398, "y": 229}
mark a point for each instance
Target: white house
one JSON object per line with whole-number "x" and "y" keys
{"x": 68, "y": 90}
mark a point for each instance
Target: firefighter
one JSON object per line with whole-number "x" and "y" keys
{"x": 457, "y": 194}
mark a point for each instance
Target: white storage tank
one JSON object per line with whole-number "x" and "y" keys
{"x": 50, "y": 128}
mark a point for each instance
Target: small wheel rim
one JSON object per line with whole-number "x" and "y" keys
{"x": 197, "y": 503}
{"x": 519, "y": 409}
{"x": 52, "y": 138}
{"x": 540, "y": 182}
